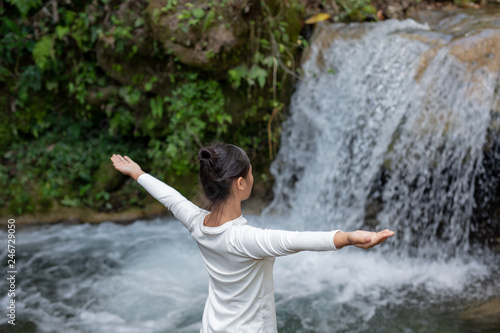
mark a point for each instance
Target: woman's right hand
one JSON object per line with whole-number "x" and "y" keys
{"x": 126, "y": 166}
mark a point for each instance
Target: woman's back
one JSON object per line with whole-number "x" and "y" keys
{"x": 240, "y": 291}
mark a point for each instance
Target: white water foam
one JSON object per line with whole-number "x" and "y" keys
{"x": 149, "y": 277}
{"x": 382, "y": 114}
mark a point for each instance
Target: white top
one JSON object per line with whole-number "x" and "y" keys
{"x": 239, "y": 259}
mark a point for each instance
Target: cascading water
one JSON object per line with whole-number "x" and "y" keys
{"x": 397, "y": 101}
{"x": 387, "y": 129}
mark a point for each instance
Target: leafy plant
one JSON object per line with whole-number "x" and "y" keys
{"x": 44, "y": 51}
{"x": 24, "y": 6}
{"x": 64, "y": 115}
{"x": 193, "y": 112}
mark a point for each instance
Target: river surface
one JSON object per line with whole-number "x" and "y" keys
{"x": 149, "y": 277}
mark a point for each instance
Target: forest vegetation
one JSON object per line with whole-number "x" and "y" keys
{"x": 81, "y": 80}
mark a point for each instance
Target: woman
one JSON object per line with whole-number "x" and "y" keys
{"x": 239, "y": 258}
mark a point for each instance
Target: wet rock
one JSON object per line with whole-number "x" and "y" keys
{"x": 206, "y": 36}
{"x": 60, "y": 213}
{"x": 170, "y": 37}
{"x": 459, "y": 22}
{"x": 395, "y": 10}
{"x": 215, "y": 36}
{"x": 128, "y": 53}
{"x": 487, "y": 313}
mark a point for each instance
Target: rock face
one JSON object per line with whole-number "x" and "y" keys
{"x": 207, "y": 36}
{"x": 128, "y": 53}
{"x": 485, "y": 315}
{"x": 475, "y": 43}
{"x": 169, "y": 36}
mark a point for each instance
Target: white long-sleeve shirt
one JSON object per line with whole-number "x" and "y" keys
{"x": 239, "y": 259}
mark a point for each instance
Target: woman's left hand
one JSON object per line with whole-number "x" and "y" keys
{"x": 367, "y": 239}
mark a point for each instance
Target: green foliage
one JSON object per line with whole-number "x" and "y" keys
{"x": 156, "y": 105}
{"x": 208, "y": 20}
{"x": 270, "y": 66}
{"x": 44, "y": 51}
{"x": 62, "y": 161}
{"x": 119, "y": 35}
{"x": 193, "y": 112}
{"x": 25, "y": 5}
{"x": 171, "y": 5}
{"x": 49, "y": 143}
{"x": 193, "y": 17}
{"x": 466, "y": 3}
{"x": 357, "y": 10}
{"x": 64, "y": 117}
{"x": 251, "y": 76}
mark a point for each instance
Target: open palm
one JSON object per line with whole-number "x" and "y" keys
{"x": 125, "y": 165}
{"x": 367, "y": 239}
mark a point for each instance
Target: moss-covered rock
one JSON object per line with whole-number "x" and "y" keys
{"x": 137, "y": 70}
{"x": 127, "y": 52}
{"x": 205, "y": 35}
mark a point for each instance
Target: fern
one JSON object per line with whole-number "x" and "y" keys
{"x": 25, "y": 5}
{"x": 43, "y": 50}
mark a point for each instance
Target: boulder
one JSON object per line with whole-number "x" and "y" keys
{"x": 127, "y": 53}
{"x": 482, "y": 314}
{"x": 200, "y": 34}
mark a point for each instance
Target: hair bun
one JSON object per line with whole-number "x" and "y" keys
{"x": 207, "y": 153}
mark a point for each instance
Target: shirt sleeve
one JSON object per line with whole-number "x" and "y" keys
{"x": 259, "y": 243}
{"x": 183, "y": 209}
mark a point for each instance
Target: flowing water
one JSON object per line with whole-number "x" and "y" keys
{"x": 387, "y": 130}
{"x": 149, "y": 277}
{"x": 393, "y": 104}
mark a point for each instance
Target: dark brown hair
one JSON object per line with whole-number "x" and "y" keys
{"x": 220, "y": 165}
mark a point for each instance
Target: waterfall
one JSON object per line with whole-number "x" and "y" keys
{"x": 387, "y": 130}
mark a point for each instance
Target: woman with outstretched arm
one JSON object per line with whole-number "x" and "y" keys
{"x": 239, "y": 258}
